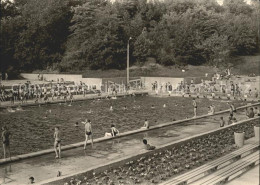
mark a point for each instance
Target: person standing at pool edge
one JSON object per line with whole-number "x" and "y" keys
{"x": 6, "y": 142}
{"x": 222, "y": 122}
{"x": 194, "y": 103}
{"x": 57, "y": 142}
{"x": 88, "y": 133}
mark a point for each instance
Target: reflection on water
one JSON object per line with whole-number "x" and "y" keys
{"x": 6, "y": 171}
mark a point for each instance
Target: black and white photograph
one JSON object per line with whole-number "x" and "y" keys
{"x": 130, "y": 92}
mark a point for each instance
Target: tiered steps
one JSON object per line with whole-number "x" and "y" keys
{"x": 232, "y": 171}
{"x": 221, "y": 169}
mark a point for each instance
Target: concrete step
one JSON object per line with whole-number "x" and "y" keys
{"x": 213, "y": 166}
{"x": 232, "y": 171}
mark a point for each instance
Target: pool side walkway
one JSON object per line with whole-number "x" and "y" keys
{"x": 193, "y": 95}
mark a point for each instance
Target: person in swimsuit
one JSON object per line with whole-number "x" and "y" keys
{"x": 111, "y": 108}
{"x": 232, "y": 109}
{"x": 212, "y": 108}
{"x": 250, "y": 113}
{"x": 6, "y": 141}
{"x": 147, "y": 146}
{"x": 31, "y": 180}
{"x": 230, "y": 120}
{"x": 146, "y": 124}
{"x": 71, "y": 98}
{"x": 257, "y": 111}
{"x": 194, "y": 103}
{"x": 209, "y": 111}
{"x": 222, "y": 122}
{"x": 113, "y": 132}
{"x": 57, "y": 142}
{"x": 88, "y": 133}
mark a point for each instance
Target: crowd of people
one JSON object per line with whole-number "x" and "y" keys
{"x": 228, "y": 88}
{"x": 42, "y": 93}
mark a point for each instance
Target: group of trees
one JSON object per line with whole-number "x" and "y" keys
{"x": 77, "y": 34}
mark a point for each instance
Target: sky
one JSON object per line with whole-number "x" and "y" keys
{"x": 219, "y": 1}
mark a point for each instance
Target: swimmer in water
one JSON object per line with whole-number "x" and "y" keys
{"x": 89, "y": 112}
{"x": 9, "y": 109}
{"x": 125, "y": 108}
{"x": 152, "y": 107}
{"x": 19, "y": 107}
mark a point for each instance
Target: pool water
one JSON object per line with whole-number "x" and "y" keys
{"x": 32, "y": 128}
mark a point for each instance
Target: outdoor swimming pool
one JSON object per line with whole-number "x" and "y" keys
{"x": 32, "y": 131}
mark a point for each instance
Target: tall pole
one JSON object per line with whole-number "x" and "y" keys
{"x": 258, "y": 21}
{"x": 127, "y": 65}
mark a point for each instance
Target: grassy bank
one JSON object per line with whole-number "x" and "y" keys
{"x": 242, "y": 65}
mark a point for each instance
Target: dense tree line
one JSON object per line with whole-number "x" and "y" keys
{"x": 77, "y": 34}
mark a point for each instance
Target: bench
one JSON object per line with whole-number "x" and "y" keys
{"x": 213, "y": 166}
{"x": 232, "y": 171}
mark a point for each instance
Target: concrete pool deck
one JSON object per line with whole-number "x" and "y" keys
{"x": 75, "y": 160}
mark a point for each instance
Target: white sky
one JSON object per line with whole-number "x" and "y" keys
{"x": 219, "y": 1}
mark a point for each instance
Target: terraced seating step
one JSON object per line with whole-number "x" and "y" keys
{"x": 232, "y": 171}
{"x": 213, "y": 166}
